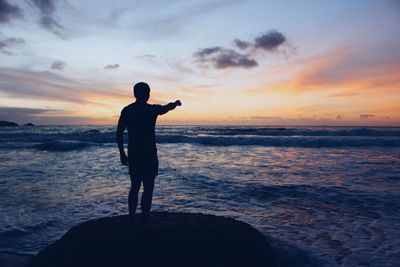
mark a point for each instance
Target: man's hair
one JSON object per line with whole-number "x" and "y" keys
{"x": 141, "y": 90}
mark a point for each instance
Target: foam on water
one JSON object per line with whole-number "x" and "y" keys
{"x": 333, "y": 206}
{"x": 68, "y": 138}
{"x": 62, "y": 145}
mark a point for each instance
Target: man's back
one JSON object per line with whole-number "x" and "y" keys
{"x": 140, "y": 120}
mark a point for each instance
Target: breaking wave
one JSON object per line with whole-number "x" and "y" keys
{"x": 65, "y": 138}
{"x": 62, "y": 145}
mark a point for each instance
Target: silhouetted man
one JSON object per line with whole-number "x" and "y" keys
{"x": 140, "y": 119}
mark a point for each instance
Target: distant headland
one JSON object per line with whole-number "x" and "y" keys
{"x": 11, "y": 123}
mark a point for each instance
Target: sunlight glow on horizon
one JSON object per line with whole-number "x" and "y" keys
{"x": 340, "y": 69}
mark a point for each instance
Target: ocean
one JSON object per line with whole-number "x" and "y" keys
{"x": 323, "y": 196}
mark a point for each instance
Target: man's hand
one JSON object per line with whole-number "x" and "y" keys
{"x": 178, "y": 103}
{"x": 124, "y": 159}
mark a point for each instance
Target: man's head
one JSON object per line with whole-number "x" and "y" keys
{"x": 141, "y": 91}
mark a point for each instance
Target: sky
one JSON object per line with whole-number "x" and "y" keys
{"x": 230, "y": 62}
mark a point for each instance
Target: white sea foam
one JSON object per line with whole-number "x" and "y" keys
{"x": 69, "y": 138}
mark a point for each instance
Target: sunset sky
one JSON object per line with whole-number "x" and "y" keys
{"x": 230, "y": 62}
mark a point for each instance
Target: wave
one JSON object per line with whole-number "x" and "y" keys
{"x": 305, "y": 131}
{"x": 80, "y": 137}
{"x": 62, "y": 145}
{"x": 296, "y": 141}
{"x": 314, "y": 142}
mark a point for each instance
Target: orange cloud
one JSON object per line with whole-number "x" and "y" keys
{"x": 343, "y": 72}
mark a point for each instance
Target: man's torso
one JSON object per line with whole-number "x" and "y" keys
{"x": 140, "y": 119}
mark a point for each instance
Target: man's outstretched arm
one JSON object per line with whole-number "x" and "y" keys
{"x": 120, "y": 139}
{"x": 170, "y": 106}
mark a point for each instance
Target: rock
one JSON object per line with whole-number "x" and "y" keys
{"x": 169, "y": 239}
{"x": 29, "y": 124}
{"x": 8, "y": 123}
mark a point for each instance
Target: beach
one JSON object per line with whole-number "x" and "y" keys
{"x": 322, "y": 196}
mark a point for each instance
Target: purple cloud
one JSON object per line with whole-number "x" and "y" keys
{"x": 58, "y": 65}
{"x": 9, "y": 12}
{"x": 111, "y": 66}
{"x": 222, "y": 58}
{"x": 366, "y": 116}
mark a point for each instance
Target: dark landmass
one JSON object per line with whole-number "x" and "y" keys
{"x": 29, "y": 124}
{"x": 8, "y": 123}
{"x": 169, "y": 239}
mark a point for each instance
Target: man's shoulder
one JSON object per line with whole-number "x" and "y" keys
{"x": 128, "y": 107}
{"x": 155, "y": 106}
{"x": 131, "y": 108}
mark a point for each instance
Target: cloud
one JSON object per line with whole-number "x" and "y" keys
{"x": 58, "y": 65}
{"x": 222, "y": 58}
{"x": 269, "y": 41}
{"x": 167, "y": 19}
{"x": 74, "y": 101}
{"x": 45, "y": 6}
{"x": 39, "y": 85}
{"x": 146, "y": 56}
{"x": 7, "y": 44}
{"x": 207, "y": 51}
{"x": 339, "y": 117}
{"x": 41, "y": 116}
{"x": 47, "y": 85}
{"x": 9, "y": 12}
{"x": 111, "y": 66}
{"x": 15, "y": 40}
{"x": 21, "y": 115}
{"x": 48, "y": 21}
{"x": 265, "y": 118}
{"x": 241, "y": 44}
{"x": 343, "y": 72}
{"x": 366, "y": 116}
{"x": 50, "y": 24}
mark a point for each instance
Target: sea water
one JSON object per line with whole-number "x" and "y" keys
{"x": 323, "y": 196}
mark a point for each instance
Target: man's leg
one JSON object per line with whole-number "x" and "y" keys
{"x": 147, "y": 196}
{"x": 133, "y": 194}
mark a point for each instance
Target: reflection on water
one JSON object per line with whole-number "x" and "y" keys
{"x": 340, "y": 205}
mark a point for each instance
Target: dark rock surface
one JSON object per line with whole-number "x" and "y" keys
{"x": 29, "y": 124}
{"x": 8, "y": 123}
{"x": 169, "y": 239}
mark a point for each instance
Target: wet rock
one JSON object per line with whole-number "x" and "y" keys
{"x": 168, "y": 239}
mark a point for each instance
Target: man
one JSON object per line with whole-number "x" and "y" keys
{"x": 140, "y": 119}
